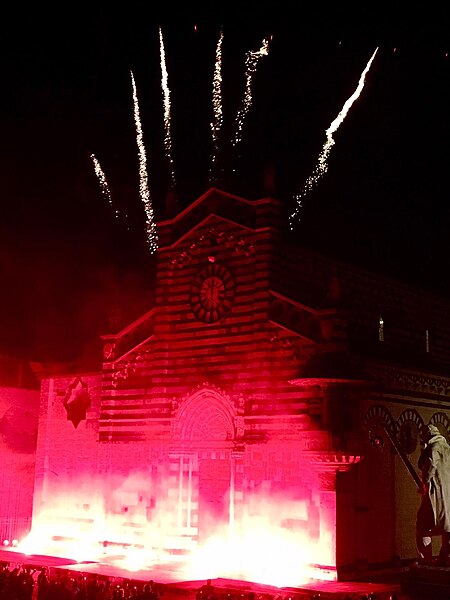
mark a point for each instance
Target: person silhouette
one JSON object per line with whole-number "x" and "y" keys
{"x": 206, "y": 592}
{"x": 433, "y": 516}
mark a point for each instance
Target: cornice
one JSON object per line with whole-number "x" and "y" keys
{"x": 406, "y": 379}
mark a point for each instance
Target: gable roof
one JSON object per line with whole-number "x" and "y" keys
{"x": 252, "y": 214}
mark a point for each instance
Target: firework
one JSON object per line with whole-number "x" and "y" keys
{"x": 167, "y": 120}
{"x": 105, "y": 188}
{"x": 152, "y": 236}
{"x": 252, "y": 59}
{"x": 103, "y": 182}
{"x": 322, "y": 164}
{"x": 216, "y": 124}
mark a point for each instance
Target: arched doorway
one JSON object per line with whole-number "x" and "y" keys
{"x": 203, "y": 439}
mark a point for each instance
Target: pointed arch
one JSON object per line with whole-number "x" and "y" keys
{"x": 207, "y": 414}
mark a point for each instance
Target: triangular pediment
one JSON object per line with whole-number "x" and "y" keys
{"x": 251, "y": 214}
{"x": 211, "y": 222}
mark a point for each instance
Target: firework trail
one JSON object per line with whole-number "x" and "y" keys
{"x": 252, "y": 59}
{"x": 166, "y": 101}
{"x": 152, "y": 236}
{"x": 103, "y": 182}
{"x": 216, "y": 124}
{"x": 105, "y": 187}
{"x": 322, "y": 165}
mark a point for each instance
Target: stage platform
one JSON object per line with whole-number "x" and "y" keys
{"x": 172, "y": 587}
{"x": 424, "y": 581}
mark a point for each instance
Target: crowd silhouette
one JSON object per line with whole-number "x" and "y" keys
{"x": 40, "y": 583}
{"x": 34, "y": 582}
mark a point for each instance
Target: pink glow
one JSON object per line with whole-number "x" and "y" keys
{"x": 257, "y": 547}
{"x": 260, "y": 553}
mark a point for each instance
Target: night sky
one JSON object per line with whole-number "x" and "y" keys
{"x": 71, "y": 270}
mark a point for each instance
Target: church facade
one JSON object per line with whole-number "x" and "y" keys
{"x": 252, "y": 407}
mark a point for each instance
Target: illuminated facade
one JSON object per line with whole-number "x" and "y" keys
{"x": 19, "y": 404}
{"x": 237, "y": 428}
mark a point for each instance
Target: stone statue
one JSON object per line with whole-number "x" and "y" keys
{"x": 433, "y": 516}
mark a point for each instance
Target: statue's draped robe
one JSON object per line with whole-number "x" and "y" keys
{"x": 434, "y": 462}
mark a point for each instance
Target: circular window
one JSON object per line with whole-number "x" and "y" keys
{"x": 212, "y": 293}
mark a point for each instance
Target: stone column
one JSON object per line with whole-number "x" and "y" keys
{"x": 327, "y": 514}
{"x": 236, "y": 487}
{"x": 327, "y": 464}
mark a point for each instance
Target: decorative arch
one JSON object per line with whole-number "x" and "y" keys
{"x": 442, "y": 422}
{"x": 378, "y": 415}
{"x": 206, "y": 414}
{"x": 408, "y": 429}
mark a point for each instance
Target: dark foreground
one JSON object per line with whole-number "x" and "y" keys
{"x": 412, "y": 583}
